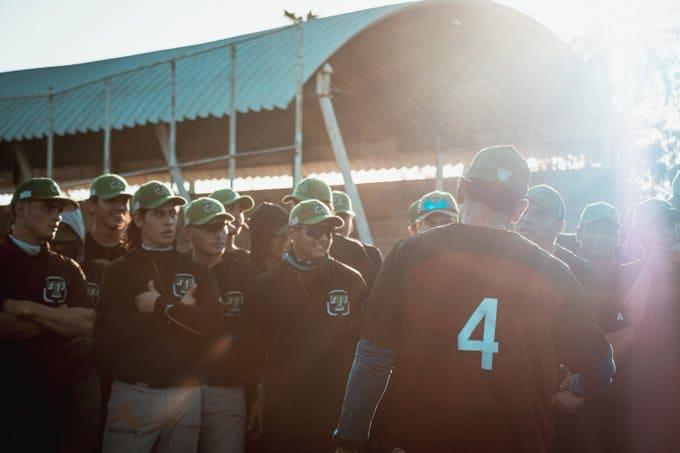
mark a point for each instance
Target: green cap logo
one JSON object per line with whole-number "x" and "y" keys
{"x": 311, "y": 189}
{"x": 109, "y": 186}
{"x": 204, "y": 210}
{"x": 154, "y": 194}
{"x": 313, "y": 212}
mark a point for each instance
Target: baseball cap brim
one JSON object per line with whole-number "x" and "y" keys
{"x": 245, "y": 202}
{"x": 224, "y": 216}
{"x": 69, "y": 205}
{"x": 347, "y": 211}
{"x": 175, "y": 200}
{"x": 441, "y": 211}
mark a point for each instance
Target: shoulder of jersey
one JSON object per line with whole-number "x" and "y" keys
{"x": 342, "y": 267}
{"x": 65, "y": 259}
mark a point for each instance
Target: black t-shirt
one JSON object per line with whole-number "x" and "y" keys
{"x": 579, "y": 266}
{"x": 231, "y": 365}
{"x": 479, "y": 319}
{"x": 353, "y": 254}
{"x": 163, "y": 348}
{"x": 97, "y": 258}
{"x": 304, "y": 325}
{"x": 48, "y": 279}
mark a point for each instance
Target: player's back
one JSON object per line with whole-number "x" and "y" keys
{"x": 476, "y": 363}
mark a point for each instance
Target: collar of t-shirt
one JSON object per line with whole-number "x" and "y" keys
{"x": 302, "y": 266}
{"x": 153, "y": 248}
{"x": 28, "y": 249}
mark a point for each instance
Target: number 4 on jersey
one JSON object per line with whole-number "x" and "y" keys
{"x": 487, "y": 346}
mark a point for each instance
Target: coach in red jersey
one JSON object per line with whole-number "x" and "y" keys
{"x": 474, "y": 319}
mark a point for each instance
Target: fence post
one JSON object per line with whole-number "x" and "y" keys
{"x": 107, "y": 126}
{"x": 297, "y": 160}
{"x": 50, "y": 133}
{"x": 232, "y": 117}
{"x": 175, "y": 172}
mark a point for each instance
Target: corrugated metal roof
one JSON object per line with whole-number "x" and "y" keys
{"x": 140, "y": 85}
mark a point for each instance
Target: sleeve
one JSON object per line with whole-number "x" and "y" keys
{"x": 579, "y": 343}
{"x": 206, "y": 318}
{"x": 118, "y": 326}
{"x": 77, "y": 292}
{"x": 366, "y": 384}
{"x": 367, "y": 271}
{"x": 383, "y": 315}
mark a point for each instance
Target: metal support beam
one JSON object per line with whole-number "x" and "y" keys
{"x": 169, "y": 150}
{"x": 24, "y": 165}
{"x": 297, "y": 159}
{"x": 107, "y": 127}
{"x": 163, "y": 134}
{"x": 440, "y": 163}
{"x": 323, "y": 90}
{"x": 232, "y": 117}
{"x": 50, "y": 133}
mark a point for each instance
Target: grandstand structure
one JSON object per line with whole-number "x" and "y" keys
{"x": 389, "y": 102}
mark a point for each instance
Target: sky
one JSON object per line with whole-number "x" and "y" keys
{"x": 39, "y": 33}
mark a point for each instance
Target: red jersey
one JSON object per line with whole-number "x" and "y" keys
{"x": 480, "y": 319}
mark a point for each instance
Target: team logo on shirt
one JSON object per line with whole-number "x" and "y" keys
{"x": 182, "y": 284}
{"x": 337, "y": 303}
{"x": 233, "y": 302}
{"x": 54, "y": 291}
{"x": 93, "y": 292}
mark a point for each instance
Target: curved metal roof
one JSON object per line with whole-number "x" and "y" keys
{"x": 140, "y": 85}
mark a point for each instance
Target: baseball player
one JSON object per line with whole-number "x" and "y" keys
{"x": 44, "y": 306}
{"x": 346, "y": 250}
{"x": 304, "y": 309}
{"x": 543, "y": 221}
{"x": 342, "y": 206}
{"x": 157, "y": 310}
{"x": 224, "y": 405}
{"x": 109, "y": 206}
{"x": 647, "y": 397}
{"x": 413, "y": 217}
{"x": 436, "y": 209}
{"x": 269, "y": 239}
{"x": 237, "y": 205}
{"x": 474, "y": 319}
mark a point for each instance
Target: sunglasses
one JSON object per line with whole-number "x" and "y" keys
{"x": 318, "y": 231}
{"x": 434, "y": 204}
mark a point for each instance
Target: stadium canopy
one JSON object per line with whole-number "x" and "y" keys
{"x": 461, "y": 73}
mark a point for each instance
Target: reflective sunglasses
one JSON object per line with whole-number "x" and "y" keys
{"x": 318, "y": 231}
{"x": 434, "y": 204}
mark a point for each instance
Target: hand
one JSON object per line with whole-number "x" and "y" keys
{"x": 17, "y": 308}
{"x": 188, "y": 298}
{"x": 255, "y": 417}
{"x": 567, "y": 402}
{"x": 145, "y": 301}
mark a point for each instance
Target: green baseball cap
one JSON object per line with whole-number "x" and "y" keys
{"x": 153, "y": 194}
{"x": 412, "y": 212}
{"x": 229, "y": 197}
{"x": 599, "y": 211}
{"x": 204, "y": 210}
{"x": 42, "y": 189}
{"x": 109, "y": 186}
{"x": 651, "y": 210}
{"x": 549, "y": 199}
{"x": 313, "y": 212}
{"x": 342, "y": 204}
{"x": 311, "y": 189}
{"x": 501, "y": 165}
{"x": 437, "y": 201}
